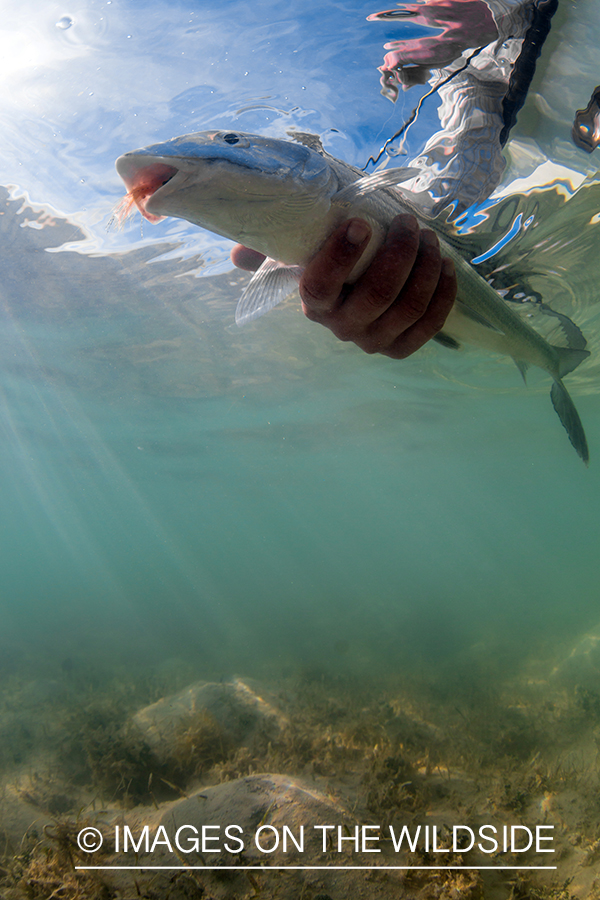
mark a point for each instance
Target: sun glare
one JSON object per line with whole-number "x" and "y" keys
{"x": 27, "y": 46}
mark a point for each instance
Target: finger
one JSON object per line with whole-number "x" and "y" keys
{"x": 432, "y": 321}
{"x": 322, "y": 282}
{"x": 379, "y": 287}
{"x": 245, "y": 258}
{"x": 413, "y": 300}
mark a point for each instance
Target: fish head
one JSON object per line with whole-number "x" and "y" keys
{"x": 246, "y": 187}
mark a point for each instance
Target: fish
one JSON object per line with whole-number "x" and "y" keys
{"x": 284, "y": 198}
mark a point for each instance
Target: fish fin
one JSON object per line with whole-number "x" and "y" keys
{"x": 446, "y": 341}
{"x": 573, "y": 334}
{"x": 312, "y": 141}
{"x": 470, "y": 246}
{"x": 530, "y": 306}
{"x": 569, "y": 359}
{"x": 470, "y": 313}
{"x": 268, "y": 286}
{"x": 569, "y": 416}
{"x": 375, "y": 182}
{"x": 522, "y": 366}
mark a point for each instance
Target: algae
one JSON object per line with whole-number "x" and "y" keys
{"x": 524, "y": 751}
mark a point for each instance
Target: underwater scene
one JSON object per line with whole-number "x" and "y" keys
{"x": 282, "y": 618}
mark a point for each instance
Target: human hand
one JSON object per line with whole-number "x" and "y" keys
{"x": 399, "y": 303}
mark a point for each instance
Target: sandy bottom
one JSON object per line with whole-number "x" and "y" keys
{"x": 314, "y": 771}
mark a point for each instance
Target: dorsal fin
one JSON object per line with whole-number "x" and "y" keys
{"x": 532, "y": 308}
{"x": 375, "y": 182}
{"x": 312, "y": 141}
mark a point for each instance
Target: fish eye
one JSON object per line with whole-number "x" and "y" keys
{"x": 231, "y": 138}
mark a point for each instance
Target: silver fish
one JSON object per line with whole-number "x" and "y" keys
{"x": 284, "y": 198}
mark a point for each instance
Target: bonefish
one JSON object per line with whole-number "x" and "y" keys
{"x": 284, "y": 198}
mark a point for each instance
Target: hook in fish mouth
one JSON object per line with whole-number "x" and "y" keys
{"x": 142, "y": 183}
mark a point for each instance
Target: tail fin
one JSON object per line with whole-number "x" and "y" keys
{"x": 569, "y": 416}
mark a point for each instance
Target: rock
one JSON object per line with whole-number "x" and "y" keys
{"x": 234, "y": 706}
{"x": 581, "y": 668}
{"x": 19, "y": 819}
{"x": 264, "y": 803}
{"x": 405, "y": 729}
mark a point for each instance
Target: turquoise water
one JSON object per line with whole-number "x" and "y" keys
{"x": 173, "y": 486}
{"x": 267, "y": 499}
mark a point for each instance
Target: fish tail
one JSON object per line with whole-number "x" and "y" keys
{"x": 569, "y": 416}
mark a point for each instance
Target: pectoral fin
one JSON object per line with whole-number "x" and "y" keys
{"x": 522, "y": 366}
{"x": 446, "y": 341}
{"x": 268, "y": 286}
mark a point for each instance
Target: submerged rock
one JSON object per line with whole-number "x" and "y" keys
{"x": 20, "y": 818}
{"x": 237, "y": 710}
{"x": 254, "y": 810}
{"x": 581, "y": 668}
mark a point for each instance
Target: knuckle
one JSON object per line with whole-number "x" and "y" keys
{"x": 378, "y": 297}
{"x": 400, "y": 256}
{"x": 407, "y": 247}
{"x": 309, "y": 292}
{"x": 429, "y": 243}
{"x": 404, "y": 231}
{"x": 371, "y": 348}
{"x": 371, "y": 343}
{"x": 315, "y": 299}
{"x": 343, "y": 256}
{"x": 414, "y": 307}
{"x": 400, "y": 353}
{"x": 345, "y": 333}
{"x": 312, "y": 314}
{"x": 398, "y": 350}
{"x": 438, "y": 311}
{"x": 437, "y": 322}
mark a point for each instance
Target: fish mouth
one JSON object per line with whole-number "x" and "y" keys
{"x": 142, "y": 181}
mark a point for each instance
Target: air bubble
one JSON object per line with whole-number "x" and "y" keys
{"x": 64, "y": 22}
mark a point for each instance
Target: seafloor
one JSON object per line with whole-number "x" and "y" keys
{"x": 80, "y": 748}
